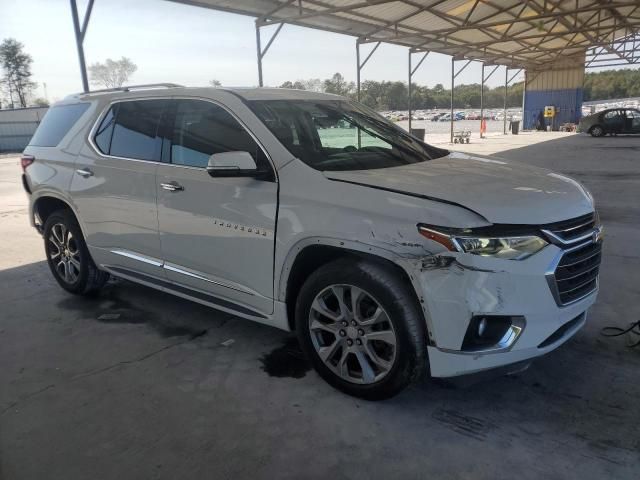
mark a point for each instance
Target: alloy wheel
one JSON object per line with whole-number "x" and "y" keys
{"x": 64, "y": 253}
{"x": 352, "y": 334}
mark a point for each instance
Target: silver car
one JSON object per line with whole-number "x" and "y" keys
{"x": 311, "y": 213}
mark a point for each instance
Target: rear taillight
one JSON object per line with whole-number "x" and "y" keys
{"x": 26, "y": 160}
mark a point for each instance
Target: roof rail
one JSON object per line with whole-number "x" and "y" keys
{"x": 128, "y": 88}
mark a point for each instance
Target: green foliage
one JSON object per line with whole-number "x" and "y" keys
{"x": 612, "y": 84}
{"x": 394, "y": 95}
{"x": 338, "y": 85}
{"x": 16, "y": 66}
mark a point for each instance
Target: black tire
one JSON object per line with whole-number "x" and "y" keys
{"x": 395, "y": 297}
{"x": 596, "y": 131}
{"x": 88, "y": 279}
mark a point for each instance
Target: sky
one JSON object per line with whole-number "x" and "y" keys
{"x": 189, "y": 45}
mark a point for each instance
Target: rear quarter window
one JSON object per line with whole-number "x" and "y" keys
{"x": 56, "y": 124}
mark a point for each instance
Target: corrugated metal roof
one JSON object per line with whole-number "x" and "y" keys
{"x": 532, "y": 34}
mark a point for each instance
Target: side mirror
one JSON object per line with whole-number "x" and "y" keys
{"x": 232, "y": 164}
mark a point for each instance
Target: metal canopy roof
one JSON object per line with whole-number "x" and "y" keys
{"x": 525, "y": 34}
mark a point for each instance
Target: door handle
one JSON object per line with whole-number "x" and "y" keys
{"x": 84, "y": 172}
{"x": 172, "y": 186}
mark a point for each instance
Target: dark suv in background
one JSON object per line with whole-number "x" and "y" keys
{"x": 612, "y": 121}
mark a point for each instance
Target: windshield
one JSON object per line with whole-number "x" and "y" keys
{"x": 340, "y": 135}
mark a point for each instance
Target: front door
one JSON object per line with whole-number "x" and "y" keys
{"x": 216, "y": 234}
{"x": 114, "y": 187}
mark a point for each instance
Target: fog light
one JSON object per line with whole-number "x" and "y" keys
{"x": 489, "y": 332}
{"x": 482, "y": 326}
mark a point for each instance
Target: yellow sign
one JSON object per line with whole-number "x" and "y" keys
{"x": 549, "y": 111}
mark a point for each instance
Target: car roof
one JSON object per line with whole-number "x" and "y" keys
{"x": 162, "y": 90}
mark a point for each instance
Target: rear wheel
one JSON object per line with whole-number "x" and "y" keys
{"x": 361, "y": 328}
{"x": 597, "y": 131}
{"x": 68, "y": 257}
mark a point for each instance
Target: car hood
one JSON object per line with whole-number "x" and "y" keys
{"x": 499, "y": 191}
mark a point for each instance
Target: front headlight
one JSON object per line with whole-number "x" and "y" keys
{"x": 506, "y": 248}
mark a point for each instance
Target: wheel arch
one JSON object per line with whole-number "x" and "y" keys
{"x": 45, "y": 204}
{"x": 310, "y": 254}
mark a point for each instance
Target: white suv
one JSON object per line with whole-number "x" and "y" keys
{"x": 310, "y": 212}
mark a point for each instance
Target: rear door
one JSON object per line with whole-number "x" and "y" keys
{"x": 217, "y": 234}
{"x": 114, "y": 187}
{"x": 614, "y": 121}
{"x": 633, "y": 121}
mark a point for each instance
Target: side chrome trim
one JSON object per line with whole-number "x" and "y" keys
{"x": 201, "y": 276}
{"x": 136, "y": 256}
{"x": 156, "y": 262}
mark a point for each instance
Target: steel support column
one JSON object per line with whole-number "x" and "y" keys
{"x": 260, "y": 52}
{"x": 454, "y": 74}
{"x": 411, "y": 72}
{"x": 484, "y": 79}
{"x": 507, "y": 81}
{"x": 80, "y": 32}
{"x": 506, "y": 84}
{"x": 453, "y": 77}
{"x": 360, "y": 66}
{"x": 482, "y": 100}
{"x": 524, "y": 93}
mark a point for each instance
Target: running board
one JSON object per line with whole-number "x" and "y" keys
{"x": 194, "y": 294}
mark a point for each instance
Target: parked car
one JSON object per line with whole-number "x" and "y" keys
{"x": 437, "y": 116}
{"x": 311, "y": 213}
{"x": 612, "y": 121}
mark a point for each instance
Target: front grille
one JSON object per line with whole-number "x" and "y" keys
{"x": 570, "y": 230}
{"x": 577, "y": 272}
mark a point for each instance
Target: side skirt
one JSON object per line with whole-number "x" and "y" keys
{"x": 207, "y": 299}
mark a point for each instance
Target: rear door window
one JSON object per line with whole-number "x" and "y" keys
{"x": 56, "y": 124}
{"x": 135, "y": 130}
{"x": 105, "y": 131}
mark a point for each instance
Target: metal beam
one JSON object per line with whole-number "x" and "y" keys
{"x": 506, "y": 86}
{"x": 453, "y": 78}
{"x": 80, "y": 32}
{"x": 360, "y": 65}
{"x": 262, "y": 52}
{"x": 484, "y": 79}
{"x": 454, "y": 74}
{"x": 412, "y": 71}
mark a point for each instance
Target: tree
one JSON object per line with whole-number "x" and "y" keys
{"x": 16, "y": 65}
{"x": 338, "y": 85}
{"x": 215, "y": 83}
{"x": 313, "y": 85}
{"x": 40, "y": 102}
{"x": 112, "y": 73}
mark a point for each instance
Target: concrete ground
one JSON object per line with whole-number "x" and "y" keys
{"x": 160, "y": 393}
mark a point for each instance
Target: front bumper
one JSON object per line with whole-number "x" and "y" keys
{"x": 456, "y": 287}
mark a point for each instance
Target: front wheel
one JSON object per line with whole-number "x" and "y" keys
{"x": 361, "y": 328}
{"x": 597, "y": 131}
{"x": 68, "y": 257}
